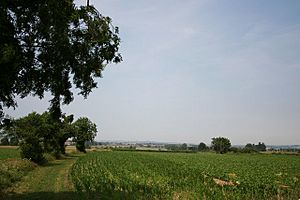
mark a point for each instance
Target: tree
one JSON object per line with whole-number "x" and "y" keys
{"x": 250, "y": 146}
{"x": 85, "y": 131}
{"x": 4, "y": 141}
{"x": 260, "y": 147}
{"x": 30, "y": 130}
{"x": 202, "y": 147}
{"x": 67, "y": 131}
{"x": 256, "y": 147}
{"x": 50, "y": 45}
{"x": 184, "y": 146}
{"x": 221, "y": 144}
{"x": 14, "y": 141}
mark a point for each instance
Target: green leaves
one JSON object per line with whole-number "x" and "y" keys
{"x": 221, "y": 144}
{"x": 54, "y": 44}
{"x": 85, "y": 130}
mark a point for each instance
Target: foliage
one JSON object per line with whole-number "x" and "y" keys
{"x": 153, "y": 175}
{"x": 12, "y": 170}
{"x": 179, "y": 147}
{"x": 31, "y": 129}
{"x": 4, "y": 141}
{"x": 184, "y": 146}
{"x": 32, "y": 150}
{"x": 85, "y": 131}
{"x": 41, "y": 134}
{"x": 46, "y": 46}
{"x": 202, "y": 147}
{"x": 258, "y": 147}
{"x": 67, "y": 130}
{"x": 6, "y": 133}
{"x": 221, "y": 144}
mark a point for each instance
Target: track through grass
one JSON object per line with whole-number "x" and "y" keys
{"x": 46, "y": 182}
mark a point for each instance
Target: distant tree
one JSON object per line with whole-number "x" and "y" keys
{"x": 173, "y": 147}
{"x": 250, "y": 146}
{"x": 221, "y": 144}
{"x": 85, "y": 130}
{"x": 202, "y": 147}
{"x": 260, "y": 147}
{"x": 184, "y": 146}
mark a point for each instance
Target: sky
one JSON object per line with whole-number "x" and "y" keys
{"x": 196, "y": 69}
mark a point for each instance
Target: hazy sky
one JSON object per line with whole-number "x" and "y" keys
{"x": 197, "y": 69}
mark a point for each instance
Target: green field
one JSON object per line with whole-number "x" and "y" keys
{"x": 9, "y": 153}
{"x": 151, "y": 175}
{"x": 154, "y": 175}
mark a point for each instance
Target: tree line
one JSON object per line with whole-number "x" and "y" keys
{"x": 37, "y": 134}
{"x": 219, "y": 145}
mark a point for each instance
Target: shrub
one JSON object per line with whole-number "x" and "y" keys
{"x": 32, "y": 150}
{"x": 12, "y": 170}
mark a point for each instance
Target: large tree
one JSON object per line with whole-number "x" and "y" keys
{"x": 221, "y": 144}
{"x": 50, "y": 46}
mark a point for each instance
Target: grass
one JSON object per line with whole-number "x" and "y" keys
{"x": 22, "y": 179}
{"x": 12, "y": 170}
{"x": 9, "y": 152}
{"x": 153, "y": 175}
{"x": 50, "y": 178}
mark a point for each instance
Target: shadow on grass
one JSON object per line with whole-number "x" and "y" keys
{"x": 65, "y": 196}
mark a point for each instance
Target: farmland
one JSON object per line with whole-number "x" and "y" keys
{"x": 11, "y": 152}
{"x": 154, "y": 175}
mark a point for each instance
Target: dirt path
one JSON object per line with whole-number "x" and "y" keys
{"x": 47, "y": 182}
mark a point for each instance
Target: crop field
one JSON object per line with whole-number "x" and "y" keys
{"x": 6, "y": 152}
{"x": 154, "y": 175}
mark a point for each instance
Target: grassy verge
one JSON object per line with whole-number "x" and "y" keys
{"x": 12, "y": 167}
{"x": 12, "y": 170}
{"x": 50, "y": 181}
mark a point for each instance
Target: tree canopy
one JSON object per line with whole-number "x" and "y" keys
{"x": 39, "y": 133}
{"x": 85, "y": 131}
{"x": 202, "y": 147}
{"x": 257, "y": 147}
{"x": 51, "y": 46}
{"x": 221, "y": 144}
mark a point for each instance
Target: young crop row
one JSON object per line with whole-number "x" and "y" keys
{"x": 152, "y": 175}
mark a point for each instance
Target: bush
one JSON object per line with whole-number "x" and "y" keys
{"x": 4, "y": 141}
{"x": 249, "y": 150}
{"x": 235, "y": 150}
{"x": 80, "y": 146}
{"x": 32, "y": 150}
{"x": 12, "y": 170}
